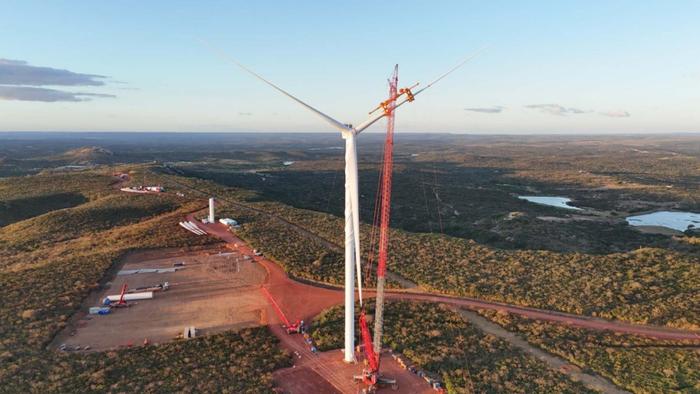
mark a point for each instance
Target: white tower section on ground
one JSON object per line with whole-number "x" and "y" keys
{"x": 212, "y": 219}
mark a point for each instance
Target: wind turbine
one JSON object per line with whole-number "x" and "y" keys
{"x": 352, "y": 209}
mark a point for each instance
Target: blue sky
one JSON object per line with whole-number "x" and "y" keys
{"x": 551, "y": 67}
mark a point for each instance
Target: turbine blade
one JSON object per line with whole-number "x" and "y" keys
{"x": 370, "y": 121}
{"x": 352, "y": 184}
{"x": 356, "y": 231}
{"x": 338, "y": 125}
{"x": 380, "y": 114}
{"x": 450, "y": 71}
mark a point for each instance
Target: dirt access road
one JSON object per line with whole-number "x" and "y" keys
{"x": 329, "y": 297}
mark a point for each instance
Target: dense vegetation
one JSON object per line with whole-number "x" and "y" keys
{"x": 646, "y": 285}
{"x": 470, "y": 203}
{"x": 438, "y": 340}
{"x": 464, "y": 186}
{"x": 14, "y": 210}
{"x": 230, "y": 362}
{"x": 634, "y": 363}
{"x": 92, "y": 184}
{"x": 470, "y": 190}
{"x": 24, "y": 197}
{"x": 299, "y": 255}
{"x": 60, "y": 225}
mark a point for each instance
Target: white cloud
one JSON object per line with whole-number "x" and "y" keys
{"x": 21, "y": 81}
{"x": 496, "y": 109}
{"x": 29, "y": 93}
{"x": 556, "y": 109}
{"x": 615, "y": 114}
{"x": 18, "y": 72}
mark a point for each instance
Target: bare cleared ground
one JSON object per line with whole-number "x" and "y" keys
{"x": 214, "y": 292}
{"x": 327, "y": 372}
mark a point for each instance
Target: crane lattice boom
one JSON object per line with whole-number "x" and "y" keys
{"x": 385, "y": 210}
{"x": 373, "y": 347}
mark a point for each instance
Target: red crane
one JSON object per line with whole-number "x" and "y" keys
{"x": 122, "y": 302}
{"x": 291, "y": 328}
{"x": 372, "y": 348}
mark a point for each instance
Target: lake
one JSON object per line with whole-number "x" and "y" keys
{"x": 557, "y": 202}
{"x": 674, "y": 220}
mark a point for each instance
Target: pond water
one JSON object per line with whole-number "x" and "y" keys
{"x": 675, "y": 220}
{"x": 558, "y": 202}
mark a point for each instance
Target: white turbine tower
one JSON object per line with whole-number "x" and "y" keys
{"x": 352, "y": 209}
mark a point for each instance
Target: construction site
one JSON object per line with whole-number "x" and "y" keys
{"x": 156, "y": 296}
{"x": 165, "y": 293}
{"x": 193, "y": 294}
{"x": 217, "y": 198}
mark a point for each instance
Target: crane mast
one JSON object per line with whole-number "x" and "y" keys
{"x": 387, "y": 170}
{"x": 373, "y": 346}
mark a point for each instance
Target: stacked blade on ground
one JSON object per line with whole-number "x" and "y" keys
{"x": 190, "y": 226}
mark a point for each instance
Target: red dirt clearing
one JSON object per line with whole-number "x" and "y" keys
{"x": 325, "y": 370}
{"x": 298, "y": 301}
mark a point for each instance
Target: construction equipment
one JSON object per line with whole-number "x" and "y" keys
{"x": 372, "y": 348}
{"x": 144, "y": 295}
{"x": 121, "y": 303}
{"x": 159, "y": 287}
{"x": 291, "y": 328}
{"x": 120, "y": 300}
{"x": 294, "y": 328}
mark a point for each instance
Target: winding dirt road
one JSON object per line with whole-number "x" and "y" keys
{"x": 304, "y": 301}
{"x": 590, "y": 323}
